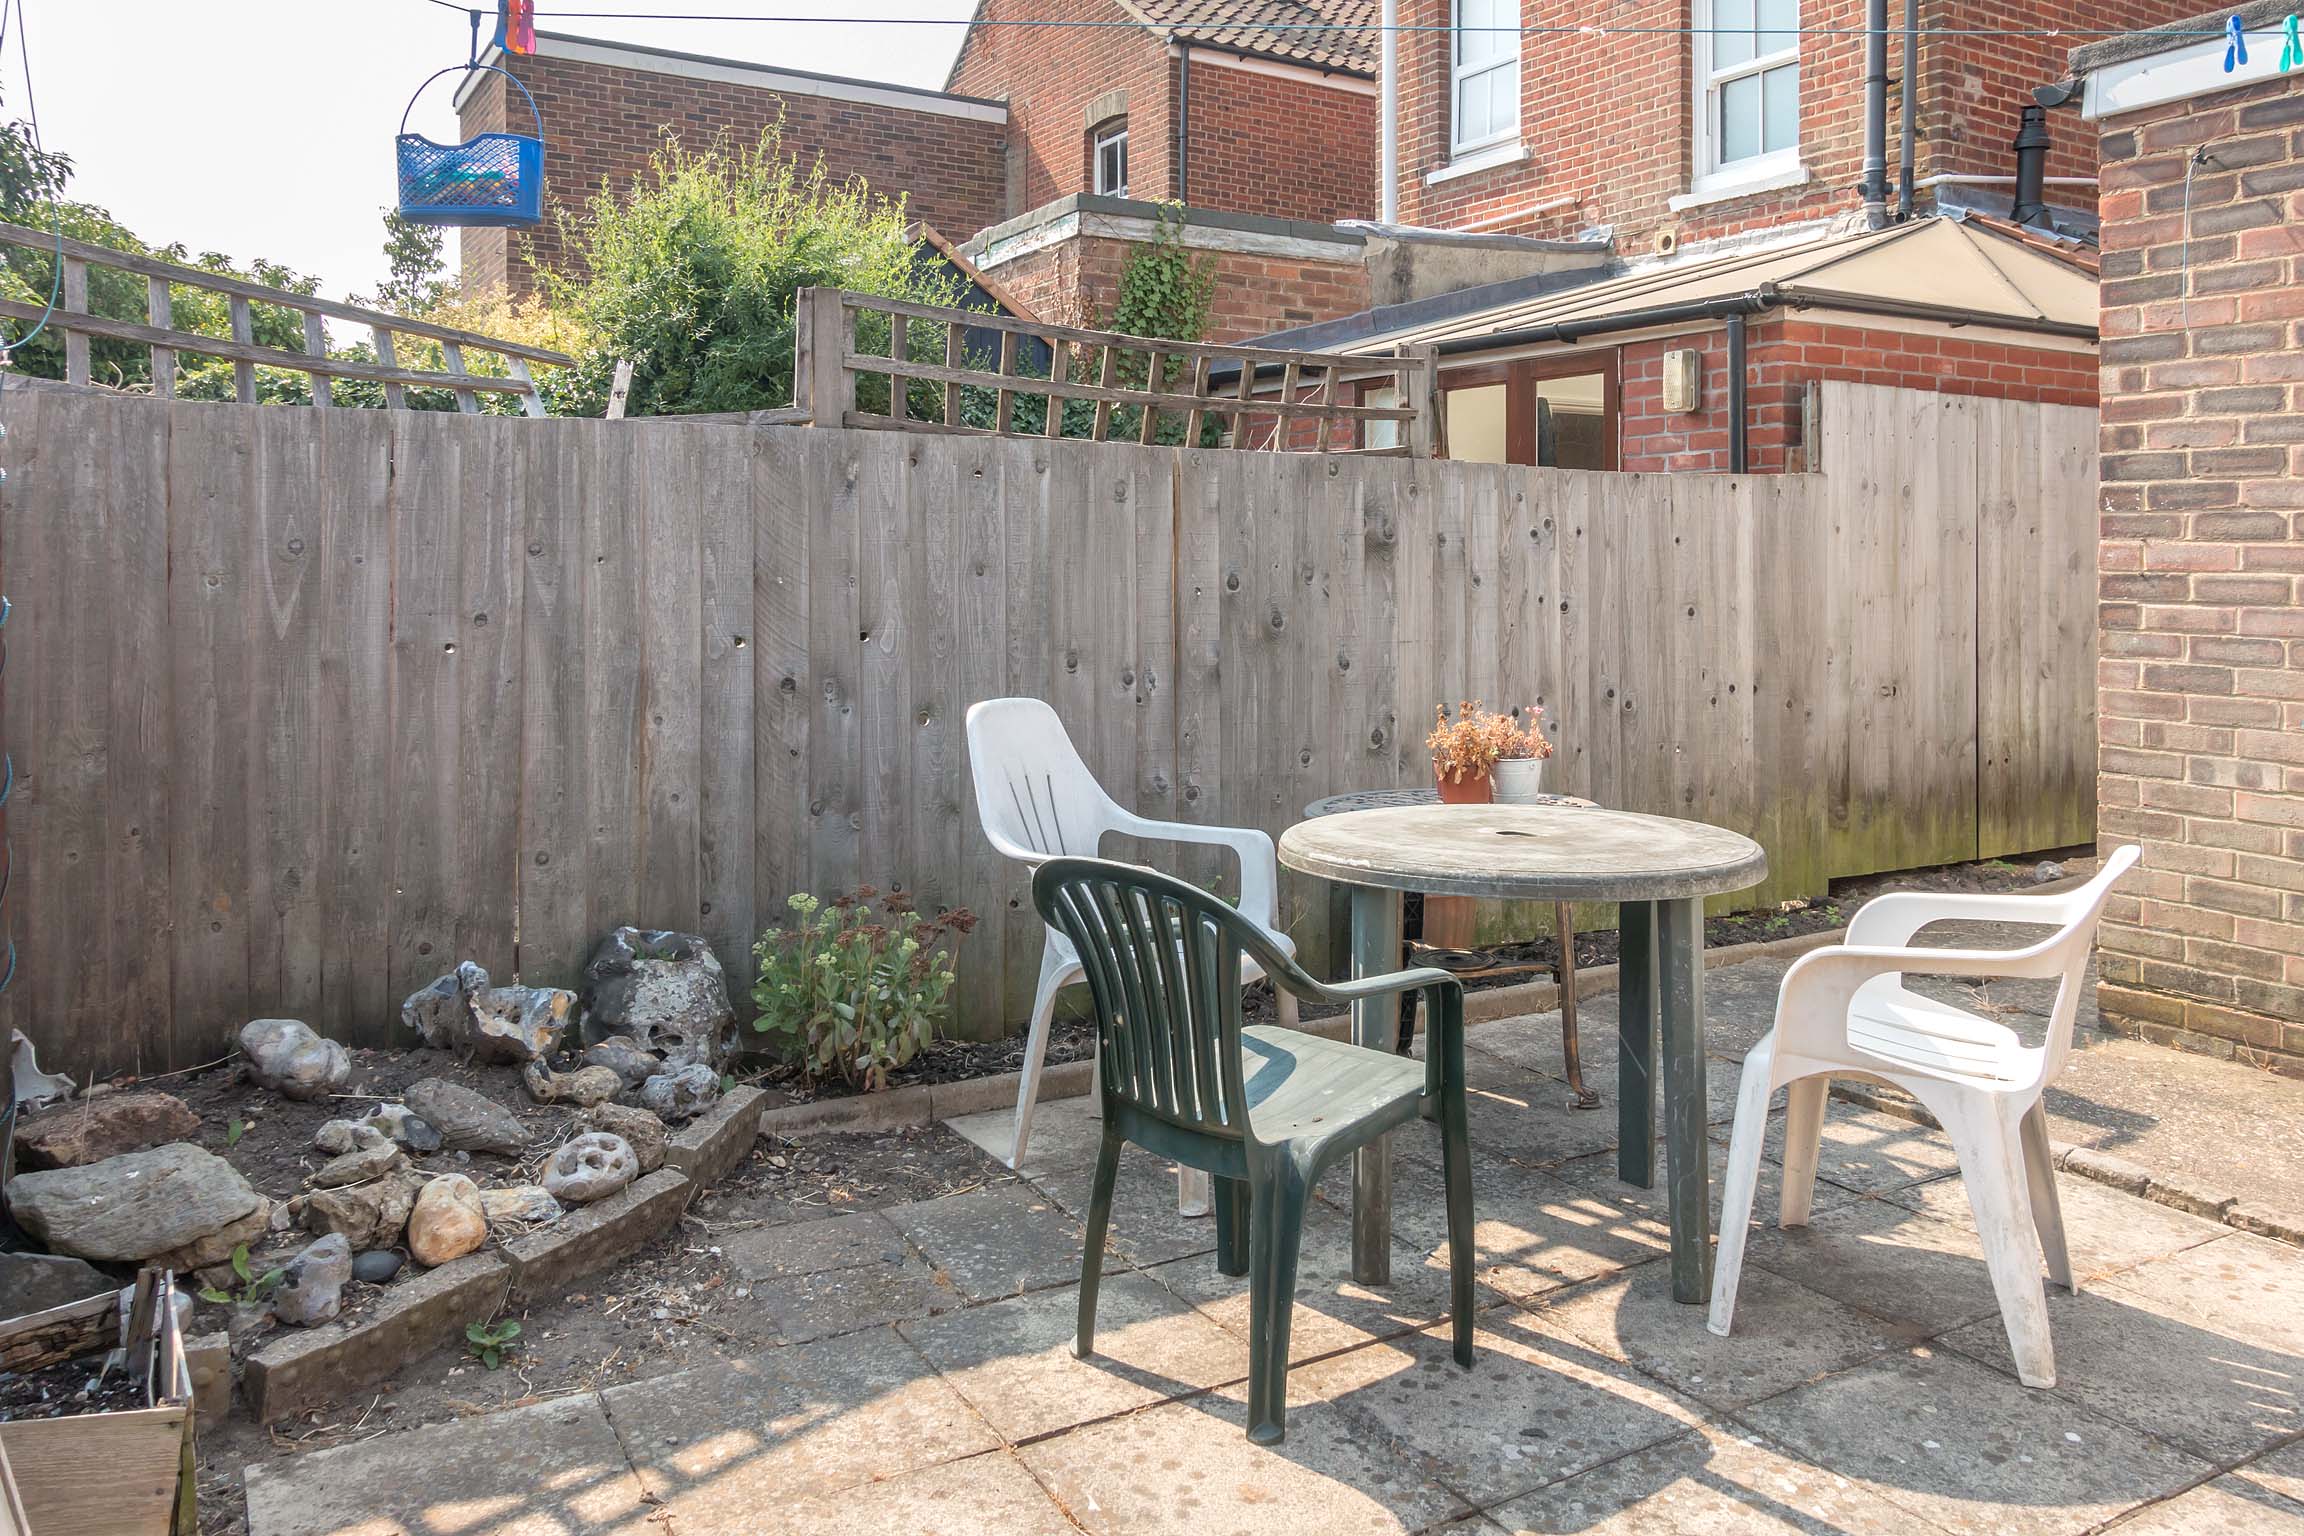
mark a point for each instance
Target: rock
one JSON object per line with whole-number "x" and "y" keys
{"x": 448, "y": 1221}
{"x": 217, "y": 1246}
{"x": 639, "y": 1127}
{"x": 666, "y": 991}
{"x": 337, "y": 1137}
{"x": 517, "y": 1024}
{"x": 622, "y": 1055}
{"x": 34, "y": 1282}
{"x": 584, "y": 1087}
{"x": 519, "y": 1202}
{"x": 440, "y": 1011}
{"x": 376, "y": 1267}
{"x": 361, "y": 1166}
{"x": 311, "y": 1290}
{"x": 95, "y": 1129}
{"x": 137, "y": 1206}
{"x": 681, "y": 1095}
{"x": 466, "y": 1121}
{"x": 591, "y": 1167}
{"x": 2047, "y": 870}
{"x": 369, "y": 1215}
{"x": 288, "y": 1058}
{"x": 404, "y": 1126}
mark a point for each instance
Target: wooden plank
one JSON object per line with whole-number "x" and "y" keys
{"x": 614, "y": 634}
{"x": 316, "y": 343}
{"x": 243, "y": 365}
{"x": 670, "y": 717}
{"x": 727, "y": 553}
{"x": 159, "y": 309}
{"x": 1198, "y": 612}
{"x": 897, "y": 490}
{"x": 557, "y": 811}
{"x": 787, "y": 470}
{"x": 491, "y": 552}
{"x": 74, "y": 302}
{"x": 838, "y": 499}
{"x": 980, "y": 596}
{"x": 1029, "y": 660}
{"x": 395, "y": 396}
{"x": 1107, "y": 389}
{"x": 934, "y": 743}
{"x": 955, "y": 359}
{"x": 1004, "y": 406}
{"x": 467, "y": 402}
{"x": 1148, "y": 419}
{"x": 107, "y": 1474}
{"x": 427, "y": 749}
{"x": 1053, "y": 425}
{"x": 531, "y": 403}
{"x": 620, "y": 390}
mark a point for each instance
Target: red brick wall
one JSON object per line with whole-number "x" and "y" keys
{"x": 1050, "y": 76}
{"x": 1783, "y": 356}
{"x": 1606, "y": 119}
{"x": 2201, "y": 624}
{"x": 602, "y": 122}
{"x": 1077, "y": 282}
{"x": 1290, "y": 148}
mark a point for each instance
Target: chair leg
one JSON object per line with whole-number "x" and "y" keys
{"x": 1275, "y": 1236}
{"x": 1092, "y": 1251}
{"x": 1285, "y": 1002}
{"x": 1232, "y": 1226}
{"x": 1992, "y": 1167}
{"x": 1035, "y": 1059}
{"x": 2040, "y": 1184}
{"x": 1803, "y": 1141}
{"x": 1194, "y": 1195}
{"x": 1456, "y": 1166}
{"x": 1745, "y": 1144}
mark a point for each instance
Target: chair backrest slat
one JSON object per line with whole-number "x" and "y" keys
{"x": 1034, "y": 795}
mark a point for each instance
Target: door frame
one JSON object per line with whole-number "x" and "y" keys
{"x": 1520, "y": 377}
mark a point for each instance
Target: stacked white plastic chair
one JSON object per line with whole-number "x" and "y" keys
{"x": 1844, "y": 1011}
{"x": 1037, "y": 800}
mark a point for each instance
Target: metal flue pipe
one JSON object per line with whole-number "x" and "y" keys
{"x": 1875, "y": 186}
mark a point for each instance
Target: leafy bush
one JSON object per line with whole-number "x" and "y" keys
{"x": 848, "y": 996}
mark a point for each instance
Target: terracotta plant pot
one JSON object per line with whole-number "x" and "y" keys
{"x": 1473, "y": 790}
{"x": 1519, "y": 780}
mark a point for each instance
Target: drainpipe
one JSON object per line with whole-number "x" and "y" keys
{"x": 1184, "y": 124}
{"x": 1911, "y": 94}
{"x": 1875, "y": 185}
{"x": 2031, "y": 146}
{"x": 1388, "y": 113}
{"x": 1738, "y": 460}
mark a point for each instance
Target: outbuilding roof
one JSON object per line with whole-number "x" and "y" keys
{"x": 1322, "y": 34}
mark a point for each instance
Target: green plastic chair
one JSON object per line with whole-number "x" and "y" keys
{"x": 1263, "y": 1110}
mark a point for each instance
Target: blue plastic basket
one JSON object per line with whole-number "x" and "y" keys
{"x": 489, "y": 179}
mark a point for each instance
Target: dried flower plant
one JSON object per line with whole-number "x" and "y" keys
{"x": 1468, "y": 746}
{"x": 1526, "y": 740}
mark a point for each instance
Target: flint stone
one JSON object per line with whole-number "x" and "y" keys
{"x": 640, "y": 1128}
{"x": 287, "y": 1057}
{"x": 338, "y": 1137}
{"x": 584, "y": 1087}
{"x": 404, "y": 1126}
{"x": 591, "y": 1167}
{"x": 95, "y": 1129}
{"x": 438, "y": 1012}
{"x": 311, "y": 1288}
{"x": 376, "y": 1267}
{"x": 140, "y": 1205}
{"x": 34, "y": 1282}
{"x": 448, "y": 1221}
{"x": 681, "y": 1095}
{"x": 512, "y": 1025}
{"x": 519, "y": 1202}
{"x": 622, "y": 1055}
{"x": 369, "y": 1215}
{"x": 361, "y": 1166}
{"x": 665, "y": 990}
{"x": 466, "y": 1121}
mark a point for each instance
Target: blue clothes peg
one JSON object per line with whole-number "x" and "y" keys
{"x": 2235, "y": 45}
{"x": 2291, "y": 47}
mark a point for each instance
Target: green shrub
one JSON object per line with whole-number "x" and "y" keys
{"x": 849, "y": 996}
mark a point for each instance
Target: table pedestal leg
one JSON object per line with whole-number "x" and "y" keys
{"x": 1636, "y": 1020}
{"x": 1680, "y": 948}
{"x": 1375, "y": 950}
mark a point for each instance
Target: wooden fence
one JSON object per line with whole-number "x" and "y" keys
{"x": 307, "y": 706}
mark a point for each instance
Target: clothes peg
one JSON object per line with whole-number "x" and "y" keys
{"x": 2235, "y": 45}
{"x": 2291, "y": 47}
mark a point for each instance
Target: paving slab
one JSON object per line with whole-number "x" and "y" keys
{"x": 1146, "y": 1227}
{"x": 807, "y": 1247}
{"x": 1883, "y": 1259}
{"x": 1536, "y": 1405}
{"x": 1013, "y": 1359}
{"x": 2282, "y": 1470}
{"x": 742, "y": 1436}
{"x": 1860, "y": 1149}
{"x": 550, "y": 1469}
{"x": 1529, "y": 1121}
{"x": 1968, "y": 1450}
{"x": 2203, "y": 1349}
{"x": 2229, "y": 1506}
{"x": 1189, "y": 1469}
{"x": 2105, "y": 1231}
{"x": 1785, "y": 1334}
{"x": 1065, "y": 1134}
{"x": 1531, "y": 1232}
{"x": 989, "y": 1495}
{"x": 1650, "y": 1207}
{"x": 836, "y": 1301}
{"x": 1708, "y": 1482}
{"x": 993, "y": 1242}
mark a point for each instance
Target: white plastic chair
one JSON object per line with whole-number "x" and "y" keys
{"x": 1038, "y": 800}
{"x": 1843, "y": 1011}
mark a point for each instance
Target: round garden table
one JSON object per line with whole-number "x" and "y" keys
{"x": 1657, "y": 869}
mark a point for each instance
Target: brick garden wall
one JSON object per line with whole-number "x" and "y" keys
{"x": 2201, "y": 699}
{"x": 602, "y": 122}
{"x": 1077, "y": 282}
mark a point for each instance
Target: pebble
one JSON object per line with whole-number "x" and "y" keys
{"x": 448, "y": 1221}
{"x": 377, "y": 1266}
{"x": 311, "y": 1289}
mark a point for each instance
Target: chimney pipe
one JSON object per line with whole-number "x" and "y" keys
{"x": 2031, "y": 148}
{"x": 1875, "y": 188}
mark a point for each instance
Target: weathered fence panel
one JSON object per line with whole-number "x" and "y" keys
{"x": 308, "y": 706}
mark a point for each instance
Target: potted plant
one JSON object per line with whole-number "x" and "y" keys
{"x": 1519, "y": 769}
{"x": 1465, "y": 751}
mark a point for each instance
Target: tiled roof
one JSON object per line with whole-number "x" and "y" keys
{"x": 1325, "y": 34}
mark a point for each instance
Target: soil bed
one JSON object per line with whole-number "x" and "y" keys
{"x": 67, "y": 1388}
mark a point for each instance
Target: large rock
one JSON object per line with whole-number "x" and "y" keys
{"x": 582, "y": 1088}
{"x": 590, "y": 1167}
{"x": 95, "y": 1129}
{"x": 448, "y": 1221}
{"x": 622, "y": 1055}
{"x": 666, "y": 991}
{"x": 641, "y": 1129}
{"x": 170, "y": 1200}
{"x": 34, "y": 1282}
{"x": 519, "y": 1202}
{"x": 360, "y": 1166}
{"x": 311, "y": 1289}
{"x": 369, "y": 1215}
{"x": 217, "y": 1246}
{"x": 681, "y": 1095}
{"x": 512, "y": 1025}
{"x": 439, "y": 1011}
{"x": 466, "y": 1121}
{"x": 287, "y": 1057}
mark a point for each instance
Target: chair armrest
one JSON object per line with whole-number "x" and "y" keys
{"x": 1892, "y": 919}
{"x": 1259, "y": 863}
{"x": 1443, "y": 995}
{"x": 1813, "y": 999}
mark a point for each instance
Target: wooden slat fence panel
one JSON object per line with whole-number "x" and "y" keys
{"x": 307, "y": 706}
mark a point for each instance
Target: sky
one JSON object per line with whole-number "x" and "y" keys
{"x": 264, "y": 127}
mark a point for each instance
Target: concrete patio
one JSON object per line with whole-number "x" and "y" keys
{"x": 927, "y": 1385}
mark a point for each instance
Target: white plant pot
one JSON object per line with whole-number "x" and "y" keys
{"x": 1519, "y": 780}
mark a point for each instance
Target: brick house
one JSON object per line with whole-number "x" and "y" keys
{"x": 2200, "y": 701}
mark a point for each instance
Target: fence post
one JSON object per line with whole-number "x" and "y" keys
{"x": 316, "y": 343}
{"x": 821, "y": 382}
{"x": 1427, "y": 433}
{"x": 160, "y": 313}
{"x": 75, "y": 299}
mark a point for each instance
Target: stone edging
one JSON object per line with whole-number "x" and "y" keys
{"x": 300, "y": 1367}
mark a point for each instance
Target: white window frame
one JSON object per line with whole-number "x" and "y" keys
{"x": 1105, "y": 138}
{"x": 1458, "y": 145}
{"x": 1777, "y": 167}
